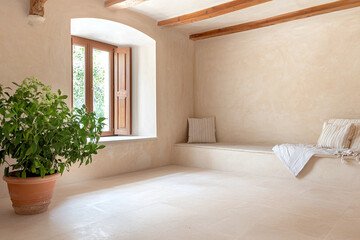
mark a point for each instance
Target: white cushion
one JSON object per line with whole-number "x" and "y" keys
{"x": 202, "y": 130}
{"x": 355, "y": 142}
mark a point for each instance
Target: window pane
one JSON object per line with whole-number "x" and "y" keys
{"x": 78, "y": 76}
{"x": 101, "y": 85}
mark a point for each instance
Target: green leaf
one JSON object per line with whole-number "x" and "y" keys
{"x": 9, "y": 115}
{"x": 62, "y": 168}
{"x": 23, "y": 175}
{"x": 33, "y": 168}
{"x": 42, "y": 171}
{"x": 29, "y": 151}
{"x": 16, "y": 84}
{"x": 33, "y": 147}
{"x": 101, "y": 119}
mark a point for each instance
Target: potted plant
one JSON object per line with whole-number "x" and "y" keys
{"x": 40, "y": 137}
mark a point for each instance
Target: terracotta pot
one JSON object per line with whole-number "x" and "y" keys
{"x": 31, "y": 195}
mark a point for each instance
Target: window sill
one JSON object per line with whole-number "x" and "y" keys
{"x": 126, "y": 138}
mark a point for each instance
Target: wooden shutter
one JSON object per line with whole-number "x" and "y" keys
{"x": 122, "y": 104}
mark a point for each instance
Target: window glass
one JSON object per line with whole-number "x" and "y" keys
{"x": 78, "y": 76}
{"x": 101, "y": 85}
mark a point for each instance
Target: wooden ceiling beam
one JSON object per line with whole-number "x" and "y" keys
{"x": 123, "y": 3}
{"x": 304, "y": 13}
{"x": 211, "y": 12}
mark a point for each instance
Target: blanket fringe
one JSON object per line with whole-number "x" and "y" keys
{"x": 348, "y": 153}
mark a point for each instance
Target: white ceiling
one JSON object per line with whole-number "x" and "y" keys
{"x": 164, "y": 9}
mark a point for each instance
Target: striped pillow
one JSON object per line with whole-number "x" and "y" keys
{"x": 355, "y": 142}
{"x": 202, "y": 130}
{"x": 344, "y": 121}
{"x": 336, "y": 136}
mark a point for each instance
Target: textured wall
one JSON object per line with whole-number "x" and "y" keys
{"x": 144, "y": 90}
{"x": 278, "y": 84}
{"x": 45, "y": 51}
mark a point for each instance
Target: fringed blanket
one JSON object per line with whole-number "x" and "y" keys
{"x": 295, "y": 157}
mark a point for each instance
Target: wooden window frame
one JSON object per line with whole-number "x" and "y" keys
{"x": 90, "y": 45}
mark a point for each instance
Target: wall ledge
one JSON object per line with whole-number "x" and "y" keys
{"x": 127, "y": 138}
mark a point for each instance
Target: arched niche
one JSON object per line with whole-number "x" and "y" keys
{"x": 143, "y": 66}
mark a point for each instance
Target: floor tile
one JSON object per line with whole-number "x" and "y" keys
{"x": 177, "y": 203}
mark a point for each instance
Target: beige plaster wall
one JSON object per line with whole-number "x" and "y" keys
{"x": 278, "y": 84}
{"x": 144, "y": 90}
{"x": 45, "y": 51}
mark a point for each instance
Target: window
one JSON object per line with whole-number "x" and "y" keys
{"x": 101, "y": 79}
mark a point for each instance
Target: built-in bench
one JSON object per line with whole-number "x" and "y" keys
{"x": 261, "y": 160}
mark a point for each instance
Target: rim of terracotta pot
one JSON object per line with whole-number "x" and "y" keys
{"x": 31, "y": 180}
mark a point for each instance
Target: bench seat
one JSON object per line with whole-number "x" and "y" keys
{"x": 261, "y": 160}
{"x": 229, "y": 146}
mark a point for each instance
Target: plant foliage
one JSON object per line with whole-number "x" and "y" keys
{"x": 41, "y": 133}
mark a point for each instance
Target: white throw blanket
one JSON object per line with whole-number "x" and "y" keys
{"x": 295, "y": 157}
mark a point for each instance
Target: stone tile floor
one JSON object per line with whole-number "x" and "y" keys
{"x": 187, "y": 203}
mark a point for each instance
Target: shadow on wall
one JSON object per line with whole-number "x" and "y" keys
{"x": 143, "y": 66}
